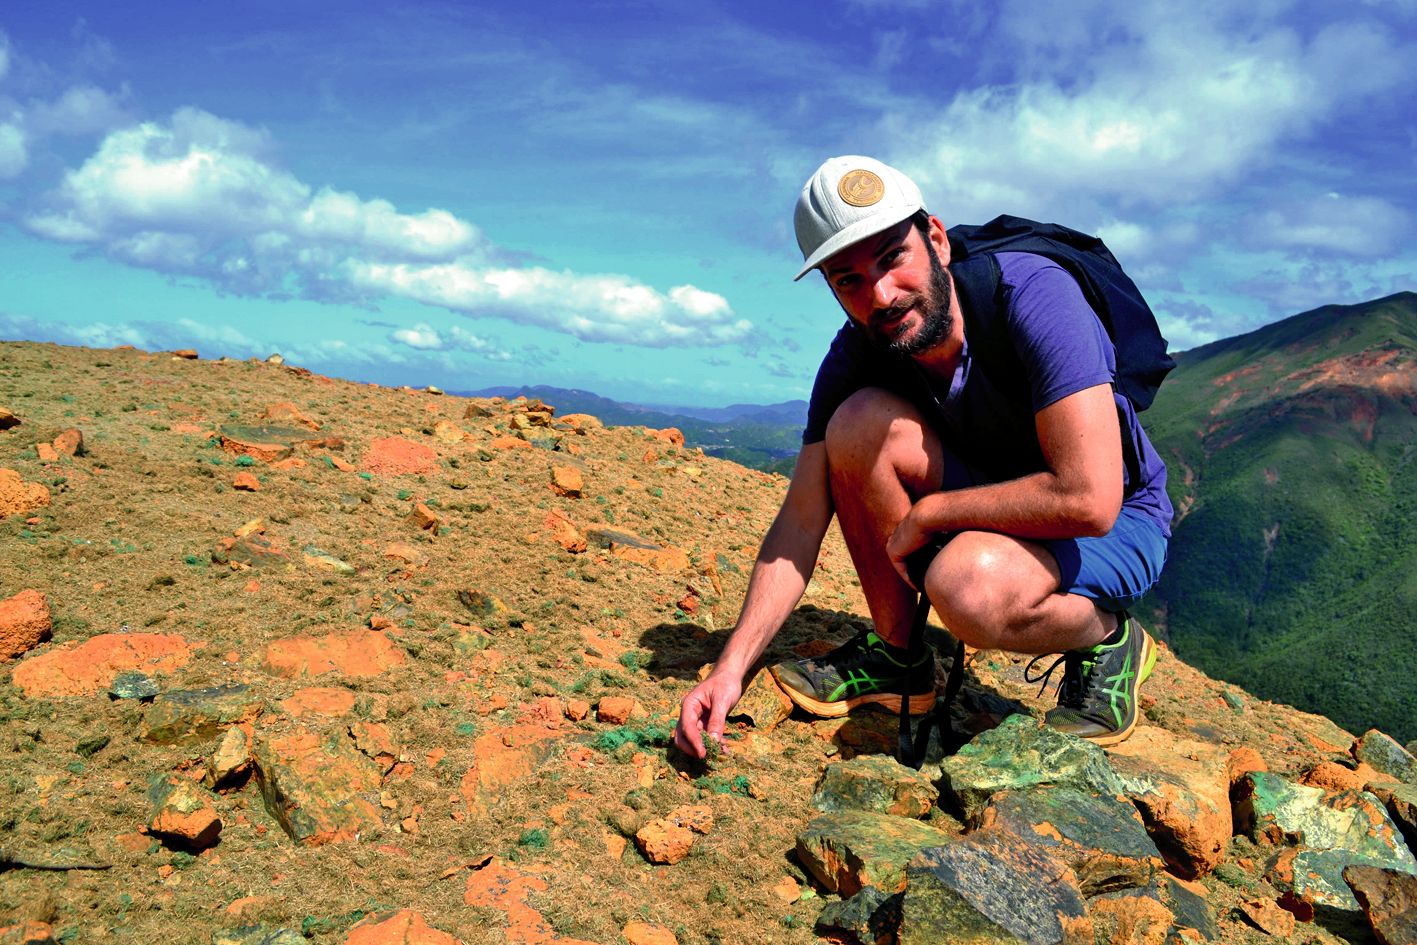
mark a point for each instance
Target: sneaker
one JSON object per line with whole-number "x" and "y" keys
{"x": 1097, "y": 697}
{"x": 862, "y": 671}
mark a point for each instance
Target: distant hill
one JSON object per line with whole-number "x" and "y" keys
{"x": 763, "y": 436}
{"x": 1293, "y": 570}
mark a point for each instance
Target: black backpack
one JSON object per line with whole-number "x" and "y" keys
{"x": 1142, "y": 364}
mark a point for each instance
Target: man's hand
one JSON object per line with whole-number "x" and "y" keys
{"x": 908, "y": 538}
{"x": 704, "y": 710}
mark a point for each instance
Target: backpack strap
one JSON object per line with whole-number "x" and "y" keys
{"x": 911, "y": 750}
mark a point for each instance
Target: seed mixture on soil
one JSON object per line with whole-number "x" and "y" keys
{"x": 320, "y": 651}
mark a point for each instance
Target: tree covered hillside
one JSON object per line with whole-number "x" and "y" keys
{"x": 1293, "y": 570}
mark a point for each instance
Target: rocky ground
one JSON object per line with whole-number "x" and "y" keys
{"x": 290, "y": 659}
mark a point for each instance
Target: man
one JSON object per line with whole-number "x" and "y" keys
{"x": 1030, "y": 474}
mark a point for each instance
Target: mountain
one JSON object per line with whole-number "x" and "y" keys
{"x": 762, "y": 436}
{"x": 1293, "y": 569}
{"x": 315, "y": 662}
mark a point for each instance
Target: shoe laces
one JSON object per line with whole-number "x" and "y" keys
{"x": 1075, "y": 682}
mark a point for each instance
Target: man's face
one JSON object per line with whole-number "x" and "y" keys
{"x": 894, "y": 285}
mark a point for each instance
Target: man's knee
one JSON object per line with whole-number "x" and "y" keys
{"x": 987, "y": 586}
{"x": 874, "y": 424}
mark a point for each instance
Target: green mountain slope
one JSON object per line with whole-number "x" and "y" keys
{"x": 1293, "y": 569}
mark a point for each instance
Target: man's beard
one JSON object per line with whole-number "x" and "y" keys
{"x": 935, "y": 318}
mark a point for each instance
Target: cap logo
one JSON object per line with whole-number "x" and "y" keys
{"x": 861, "y": 188}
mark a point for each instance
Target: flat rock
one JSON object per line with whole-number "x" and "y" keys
{"x": 1020, "y": 753}
{"x": 355, "y": 653}
{"x": 18, "y": 497}
{"x": 8, "y": 420}
{"x": 70, "y": 442}
{"x": 1182, "y": 790}
{"x": 258, "y": 935}
{"x": 1314, "y": 878}
{"x": 850, "y": 850}
{"x": 567, "y": 481}
{"x": 1389, "y": 900}
{"x": 231, "y": 759}
{"x": 404, "y": 927}
{"x": 395, "y": 456}
{"x": 874, "y": 783}
{"x": 1101, "y": 838}
{"x": 318, "y": 558}
{"x": 1385, "y": 754}
{"x": 267, "y": 442}
{"x": 190, "y": 715}
{"x": 1273, "y": 810}
{"x": 25, "y": 623}
{"x": 133, "y": 685}
{"x": 991, "y": 887}
{"x": 183, "y": 815}
{"x": 632, "y": 547}
{"x": 89, "y": 667}
{"x": 321, "y": 790}
{"x": 253, "y": 550}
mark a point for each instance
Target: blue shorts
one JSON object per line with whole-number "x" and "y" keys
{"x": 1116, "y": 569}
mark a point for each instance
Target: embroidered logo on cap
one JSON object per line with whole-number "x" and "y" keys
{"x": 861, "y": 188}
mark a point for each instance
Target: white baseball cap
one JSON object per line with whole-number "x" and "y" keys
{"x": 848, "y": 199}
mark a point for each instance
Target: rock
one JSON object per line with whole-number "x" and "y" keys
{"x": 319, "y": 700}
{"x": 871, "y": 915}
{"x": 668, "y": 839}
{"x": 1384, "y": 754}
{"x": 508, "y": 891}
{"x": 566, "y": 481}
{"x": 395, "y": 456}
{"x": 402, "y": 551}
{"x": 763, "y": 702}
{"x": 1314, "y": 878}
{"x": 267, "y": 443}
{"x": 132, "y": 685}
{"x": 246, "y": 482}
{"x": 423, "y": 517}
{"x": 1389, "y": 900}
{"x": 287, "y": 412}
{"x": 185, "y": 354}
{"x": 1242, "y": 761}
{"x": 28, "y": 932}
{"x": 253, "y": 551}
{"x": 1401, "y": 801}
{"x": 1181, "y": 787}
{"x": 480, "y": 604}
{"x": 1130, "y": 917}
{"x": 648, "y": 933}
{"x": 849, "y": 850}
{"x": 404, "y": 927}
{"x": 1272, "y": 810}
{"x": 319, "y": 789}
{"x": 231, "y": 759}
{"x": 509, "y": 443}
{"x": 375, "y": 741}
{"x": 1101, "y": 838}
{"x": 8, "y": 420}
{"x": 991, "y": 887}
{"x": 615, "y": 710}
{"x": 25, "y": 623}
{"x": 356, "y": 653}
{"x": 1190, "y": 909}
{"x": 70, "y": 442}
{"x": 564, "y": 532}
{"x": 183, "y": 816}
{"x": 1020, "y": 753}
{"x": 874, "y": 783}
{"x": 445, "y": 431}
{"x": 1269, "y": 917}
{"x": 258, "y": 935}
{"x": 667, "y": 559}
{"x": 577, "y": 709}
{"x": 89, "y": 667}
{"x": 1332, "y": 776}
{"x": 325, "y": 561}
{"x": 580, "y": 423}
{"x": 46, "y": 452}
{"x": 18, "y": 497}
{"x": 189, "y": 715}
{"x": 670, "y": 435}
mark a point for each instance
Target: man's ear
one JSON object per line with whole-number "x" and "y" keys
{"x": 939, "y": 239}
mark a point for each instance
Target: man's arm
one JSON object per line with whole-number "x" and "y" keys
{"x": 1079, "y": 494}
{"x": 780, "y": 574}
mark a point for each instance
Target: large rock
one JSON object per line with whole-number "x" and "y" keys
{"x": 18, "y": 497}
{"x": 874, "y": 783}
{"x": 267, "y": 443}
{"x": 394, "y": 456}
{"x": 25, "y": 623}
{"x": 1273, "y": 810}
{"x": 355, "y": 653}
{"x": 1389, "y": 899}
{"x": 1384, "y": 754}
{"x": 1182, "y": 790}
{"x": 404, "y": 927}
{"x": 992, "y": 888}
{"x": 89, "y": 667}
{"x": 1101, "y": 838}
{"x": 1130, "y": 917}
{"x": 183, "y": 815}
{"x": 1020, "y": 753}
{"x": 665, "y": 558}
{"x": 1314, "y": 878}
{"x": 1401, "y": 800}
{"x": 191, "y": 715}
{"x": 321, "y": 790}
{"x": 850, "y": 850}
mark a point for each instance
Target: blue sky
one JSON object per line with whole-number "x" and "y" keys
{"x": 599, "y": 195}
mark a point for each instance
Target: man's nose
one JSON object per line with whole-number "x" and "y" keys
{"x": 883, "y": 292}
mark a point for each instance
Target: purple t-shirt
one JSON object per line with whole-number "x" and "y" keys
{"x": 985, "y": 413}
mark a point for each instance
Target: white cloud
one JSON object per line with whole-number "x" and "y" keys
{"x": 199, "y": 196}
{"x": 82, "y": 109}
{"x": 13, "y": 153}
{"x": 421, "y": 336}
{"x": 1333, "y": 223}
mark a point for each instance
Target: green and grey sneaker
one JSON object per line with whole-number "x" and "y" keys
{"x": 1097, "y": 697}
{"x": 861, "y": 671}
